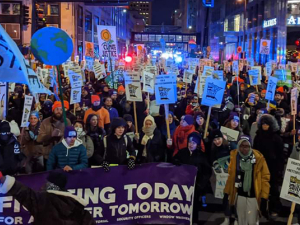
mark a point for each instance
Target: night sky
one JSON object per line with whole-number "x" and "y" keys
{"x": 162, "y": 11}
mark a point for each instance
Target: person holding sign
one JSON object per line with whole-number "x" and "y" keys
{"x": 193, "y": 155}
{"x": 269, "y": 143}
{"x": 247, "y": 186}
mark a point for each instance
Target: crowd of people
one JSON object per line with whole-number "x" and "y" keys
{"x": 101, "y": 131}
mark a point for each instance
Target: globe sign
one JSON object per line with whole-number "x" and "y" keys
{"x": 51, "y": 45}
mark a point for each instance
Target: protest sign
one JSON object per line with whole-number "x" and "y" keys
{"x": 294, "y": 67}
{"x": 284, "y": 77}
{"x": 290, "y": 189}
{"x": 265, "y": 47}
{"x": 268, "y": 69}
{"x": 89, "y": 49}
{"x": 108, "y": 45}
{"x": 26, "y": 110}
{"x": 281, "y": 66}
{"x": 232, "y": 135}
{"x": 254, "y": 77}
{"x": 294, "y": 100}
{"x": 165, "y": 89}
{"x": 213, "y": 92}
{"x": 226, "y": 66}
{"x": 188, "y": 76}
{"x": 140, "y": 196}
{"x": 235, "y": 67}
{"x": 3, "y": 99}
{"x": 99, "y": 70}
{"x": 271, "y": 88}
{"x": 75, "y": 95}
{"x": 148, "y": 82}
{"x": 259, "y": 69}
{"x": 151, "y": 69}
{"x": 208, "y": 71}
{"x": 75, "y": 78}
{"x": 218, "y": 75}
{"x": 250, "y": 62}
{"x": 133, "y": 87}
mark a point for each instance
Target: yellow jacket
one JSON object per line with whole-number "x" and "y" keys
{"x": 261, "y": 178}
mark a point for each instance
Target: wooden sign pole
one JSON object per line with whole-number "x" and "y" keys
{"x": 135, "y": 118}
{"x": 207, "y": 122}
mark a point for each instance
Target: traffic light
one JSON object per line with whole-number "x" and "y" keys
{"x": 25, "y": 15}
{"x": 40, "y": 19}
{"x": 128, "y": 59}
{"x": 297, "y": 42}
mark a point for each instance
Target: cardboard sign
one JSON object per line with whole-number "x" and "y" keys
{"x": 290, "y": 189}
{"x": 75, "y": 78}
{"x": 254, "y": 77}
{"x": 26, "y": 110}
{"x": 265, "y": 47}
{"x": 271, "y": 88}
{"x": 232, "y": 135}
{"x": 188, "y": 76}
{"x": 148, "y": 82}
{"x": 133, "y": 87}
{"x": 208, "y": 71}
{"x": 165, "y": 89}
{"x": 99, "y": 70}
{"x": 213, "y": 92}
{"x": 89, "y": 49}
{"x": 284, "y": 77}
{"x": 294, "y": 101}
{"x": 108, "y": 44}
{"x": 75, "y": 95}
{"x": 218, "y": 75}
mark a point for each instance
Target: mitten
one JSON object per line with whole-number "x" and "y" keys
{"x": 131, "y": 164}
{"x": 169, "y": 142}
{"x": 105, "y": 166}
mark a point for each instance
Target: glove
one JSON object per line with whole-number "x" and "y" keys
{"x": 131, "y": 164}
{"x": 56, "y": 133}
{"x": 264, "y": 208}
{"x": 169, "y": 142}
{"x": 225, "y": 201}
{"x": 105, "y": 166}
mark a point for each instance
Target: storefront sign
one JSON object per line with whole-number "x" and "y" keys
{"x": 270, "y": 23}
{"x": 293, "y": 20}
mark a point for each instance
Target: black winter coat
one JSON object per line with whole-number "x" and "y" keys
{"x": 199, "y": 160}
{"x": 116, "y": 150}
{"x": 57, "y": 207}
{"x": 11, "y": 157}
{"x": 154, "y": 147}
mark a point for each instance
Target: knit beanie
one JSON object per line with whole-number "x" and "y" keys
{"x": 195, "y": 137}
{"x": 56, "y": 104}
{"x": 70, "y": 132}
{"x": 35, "y": 113}
{"x": 66, "y": 105}
{"x": 58, "y": 179}
{"x": 216, "y": 134}
{"x": 121, "y": 88}
{"x": 117, "y": 122}
{"x": 4, "y": 127}
{"x": 112, "y": 92}
{"x": 149, "y": 117}
{"x": 188, "y": 119}
{"x": 244, "y": 138}
{"x": 128, "y": 117}
{"x": 95, "y": 98}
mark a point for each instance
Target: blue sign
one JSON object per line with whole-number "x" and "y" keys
{"x": 213, "y": 92}
{"x": 271, "y": 88}
{"x": 51, "y": 46}
{"x": 208, "y": 3}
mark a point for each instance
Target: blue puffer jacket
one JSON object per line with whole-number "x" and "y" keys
{"x": 62, "y": 155}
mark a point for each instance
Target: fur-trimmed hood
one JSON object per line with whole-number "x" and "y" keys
{"x": 270, "y": 120}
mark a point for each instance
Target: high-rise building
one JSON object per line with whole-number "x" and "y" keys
{"x": 144, "y": 8}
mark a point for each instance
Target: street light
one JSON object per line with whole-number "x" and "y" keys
{"x": 190, "y": 27}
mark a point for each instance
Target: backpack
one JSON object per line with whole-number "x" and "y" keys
{"x": 105, "y": 144}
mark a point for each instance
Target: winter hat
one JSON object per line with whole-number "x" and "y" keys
{"x": 195, "y": 137}
{"x": 188, "y": 119}
{"x": 216, "y": 134}
{"x": 121, "y": 88}
{"x": 35, "y": 113}
{"x": 4, "y": 127}
{"x": 117, "y": 122}
{"x": 149, "y": 117}
{"x": 66, "y": 105}
{"x": 264, "y": 91}
{"x": 58, "y": 179}
{"x": 48, "y": 104}
{"x": 57, "y": 104}
{"x": 112, "y": 92}
{"x": 280, "y": 91}
{"x": 201, "y": 114}
{"x": 128, "y": 117}
{"x": 234, "y": 116}
{"x": 95, "y": 98}
{"x": 244, "y": 138}
{"x": 70, "y": 132}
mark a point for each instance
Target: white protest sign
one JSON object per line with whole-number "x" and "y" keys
{"x": 265, "y": 47}
{"x": 151, "y": 69}
{"x": 26, "y": 110}
{"x": 208, "y": 71}
{"x": 75, "y": 95}
{"x": 188, "y": 76}
{"x": 133, "y": 87}
{"x": 99, "y": 70}
{"x": 75, "y": 77}
{"x": 232, "y": 135}
{"x": 259, "y": 69}
{"x": 108, "y": 44}
{"x": 3, "y": 99}
{"x": 294, "y": 101}
{"x": 165, "y": 89}
{"x": 290, "y": 189}
{"x": 294, "y": 67}
{"x": 218, "y": 75}
{"x": 148, "y": 82}
{"x": 235, "y": 67}
{"x": 254, "y": 77}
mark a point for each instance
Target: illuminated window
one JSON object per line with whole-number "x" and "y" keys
{"x": 226, "y": 25}
{"x": 237, "y": 19}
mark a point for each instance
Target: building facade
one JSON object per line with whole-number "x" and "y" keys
{"x": 144, "y": 8}
{"x": 229, "y": 28}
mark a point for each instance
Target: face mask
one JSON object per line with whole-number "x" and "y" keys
{"x": 79, "y": 129}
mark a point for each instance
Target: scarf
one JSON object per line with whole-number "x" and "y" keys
{"x": 246, "y": 166}
{"x": 52, "y": 187}
{"x": 182, "y": 131}
{"x": 148, "y": 134}
{"x": 96, "y": 108}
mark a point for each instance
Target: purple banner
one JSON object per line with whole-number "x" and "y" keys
{"x": 155, "y": 193}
